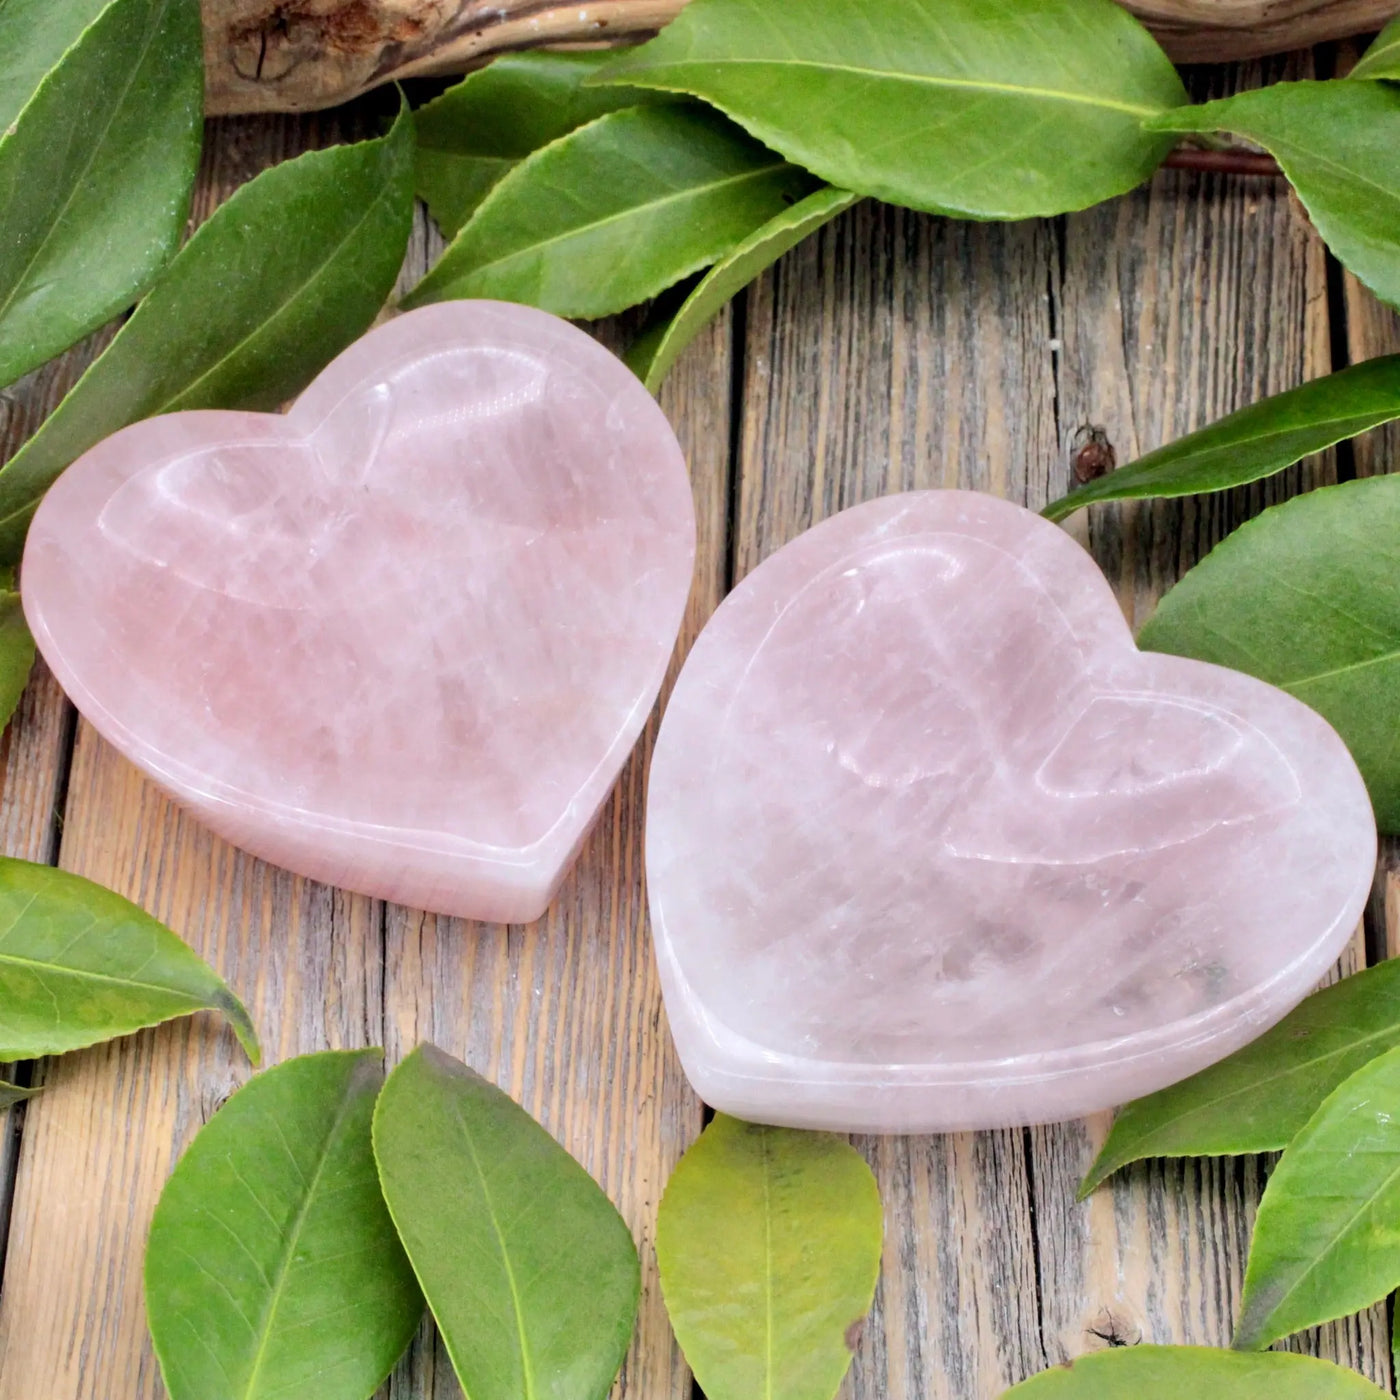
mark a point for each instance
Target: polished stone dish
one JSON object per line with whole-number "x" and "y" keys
{"x": 932, "y": 846}
{"x": 403, "y": 638}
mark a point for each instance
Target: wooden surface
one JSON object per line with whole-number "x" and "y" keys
{"x": 892, "y": 351}
{"x": 299, "y": 55}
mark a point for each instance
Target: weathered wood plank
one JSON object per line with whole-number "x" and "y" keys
{"x": 100, "y": 1142}
{"x": 34, "y": 751}
{"x": 566, "y": 1014}
{"x": 893, "y": 352}
{"x": 1179, "y": 304}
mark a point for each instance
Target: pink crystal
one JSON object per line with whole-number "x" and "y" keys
{"x": 932, "y": 846}
{"x": 401, "y": 639}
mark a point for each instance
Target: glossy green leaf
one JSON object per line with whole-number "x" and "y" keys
{"x": 281, "y": 278}
{"x": 1257, "y": 441}
{"x": 16, "y": 650}
{"x": 273, "y": 1270}
{"x": 652, "y": 357}
{"x": 96, "y": 165}
{"x": 1307, "y": 597}
{"x": 1339, "y": 144}
{"x": 34, "y": 36}
{"x": 1175, "y": 1373}
{"x": 530, "y": 1272}
{"x": 1382, "y": 59}
{"x": 769, "y": 1245}
{"x": 995, "y": 111}
{"x": 1259, "y": 1098}
{"x": 481, "y": 129}
{"x": 1325, "y": 1237}
{"x": 615, "y": 212}
{"x": 79, "y": 964}
{"x": 11, "y": 1094}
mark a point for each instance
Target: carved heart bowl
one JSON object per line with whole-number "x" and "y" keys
{"x": 401, "y": 639}
{"x": 931, "y": 845}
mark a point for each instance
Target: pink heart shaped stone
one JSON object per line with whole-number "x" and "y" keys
{"x": 931, "y": 845}
{"x": 401, "y": 639}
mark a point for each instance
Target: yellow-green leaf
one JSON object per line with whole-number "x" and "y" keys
{"x": 769, "y": 1245}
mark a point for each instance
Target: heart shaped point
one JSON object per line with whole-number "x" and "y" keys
{"x": 932, "y": 846}
{"x": 401, "y": 639}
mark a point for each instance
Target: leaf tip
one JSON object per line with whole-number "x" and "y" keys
{"x": 243, "y": 1028}
{"x": 1251, "y": 1331}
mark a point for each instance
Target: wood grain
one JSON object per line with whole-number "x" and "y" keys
{"x": 297, "y": 55}
{"x": 896, "y": 351}
{"x": 1181, "y": 303}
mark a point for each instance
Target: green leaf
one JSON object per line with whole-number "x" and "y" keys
{"x": 79, "y": 964}
{"x": 1307, "y": 597}
{"x": 273, "y": 1269}
{"x": 1339, "y": 144}
{"x": 530, "y": 1272}
{"x": 1394, "y": 1341}
{"x": 769, "y": 1245}
{"x": 11, "y": 1094}
{"x": 1257, "y": 441}
{"x": 34, "y": 36}
{"x": 1174, "y": 1373}
{"x": 1325, "y": 1237}
{"x": 652, "y": 357}
{"x": 281, "y": 278}
{"x": 1259, "y": 1098}
{"x": 96, "y": 165}
{"x": 479, "y": 130}
{"x": 16, "y": 652}
{"x": 614, "y": 213}
{"x": 1382, "y": 59}
{"x": 994, "y": 111}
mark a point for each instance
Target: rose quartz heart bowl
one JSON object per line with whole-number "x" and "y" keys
{"x": 932, "y": 846}
{"x": 401, "y": 639}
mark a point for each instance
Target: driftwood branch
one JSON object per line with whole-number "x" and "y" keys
{"x": 297, "y": 55}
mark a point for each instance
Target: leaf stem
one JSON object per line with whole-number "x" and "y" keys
{"x": 1232, "y": 161}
